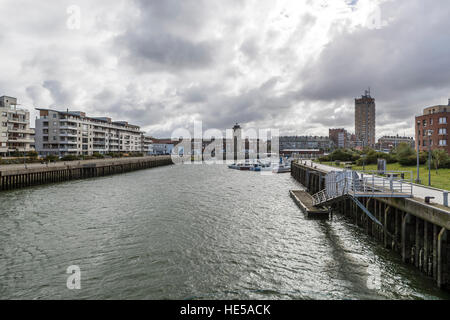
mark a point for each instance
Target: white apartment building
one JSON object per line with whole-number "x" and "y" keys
{"x": 73, "y": 133}
{"x": 15, "y": 132}
{"x": 147, "y": 144}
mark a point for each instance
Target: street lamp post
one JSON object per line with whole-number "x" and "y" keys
{"x": 418, "y": 153}
{"x": 429, "y": 158}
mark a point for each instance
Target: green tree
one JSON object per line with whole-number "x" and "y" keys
{"x": 439, "y": 157}
{"x": 405, "y": 154}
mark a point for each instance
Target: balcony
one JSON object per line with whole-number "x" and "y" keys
{"x": 67, "y": 134}
{"x": 17, "y": 120}
{"x": 68, "y": 149}
{"x": 20, "y": 149}
{"x": 20, "y": 140}
{"x": 68, "y": 142}
{"x": 68, "y": 126}
{"x": 17, "y": 130}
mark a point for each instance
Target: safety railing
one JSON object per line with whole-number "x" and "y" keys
{"x": 363, "y": 185}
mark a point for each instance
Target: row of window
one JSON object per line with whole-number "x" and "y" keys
{"x": 442, "y": 143}
{"x": 441, "y": 132}
{"x": 85, "y": 126}
{"x": 442, "y": 120}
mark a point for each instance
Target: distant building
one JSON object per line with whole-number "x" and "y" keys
{"x": 388, "y": 143}
{"x": 365, "y": 120}
{"x": 163, "y": 146}
{"x": 64, "y": 133}
{"x": 15, "y": 132}
{"x": 32, "y": 138}
{"x": 302, "y": 153}
{"x": 306, "y": 142}
{"x": 341, "y": 138}
{"x": 434, "y": 124}
{"x": 147, "y": 144}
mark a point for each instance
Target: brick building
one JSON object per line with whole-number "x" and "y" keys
{"x": 365, "y": 120}
{"x": 341, "y": 138}
{"x": 434, "y": 124}
{"x": 388, "y": 143}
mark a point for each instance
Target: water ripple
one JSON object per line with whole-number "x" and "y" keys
{"x": 187, "y": 232}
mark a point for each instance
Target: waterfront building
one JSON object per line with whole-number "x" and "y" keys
{"x": 147, "y": 144}
{"x": 365, "y": 120}
{"x": 15, "y": 132}
{"x": 32, "y": 138}
{"x": 306, "y": 142}
{"x": 163, "y": 146}
{"x": 388, "y": 143}
{"x": 302, "y": 153}
{"x": 64, "y": 133}
{"x": 433, "y": 127}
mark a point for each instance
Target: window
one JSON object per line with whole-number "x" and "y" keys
{"x": 431, "y": 122}
{"x": 424, "y": 123}
{"x": 442, "y": 142}
{"x": 443, "y": 120}
{"x": 443, "y": 131}
{"x": 54, "y": 115}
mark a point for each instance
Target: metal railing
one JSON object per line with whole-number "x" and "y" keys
{"x": 360, "y": 185}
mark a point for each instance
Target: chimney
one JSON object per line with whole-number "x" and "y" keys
{"x": 449, "y": 102}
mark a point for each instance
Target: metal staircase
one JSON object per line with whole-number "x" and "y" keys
{"x": 362, "y": 185}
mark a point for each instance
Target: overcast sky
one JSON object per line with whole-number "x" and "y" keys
{"x": 295, "y": 65}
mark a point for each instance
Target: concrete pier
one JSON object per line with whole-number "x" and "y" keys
{"x": 415, "y": 230}
{"x": 21, "y": 176}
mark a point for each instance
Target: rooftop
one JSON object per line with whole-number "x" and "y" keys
{"x": 82, "y": 114}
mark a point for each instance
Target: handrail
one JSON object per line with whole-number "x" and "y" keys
{"x": 360, "y": 185}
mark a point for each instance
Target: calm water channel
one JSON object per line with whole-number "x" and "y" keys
{"x": 188, "y": 232}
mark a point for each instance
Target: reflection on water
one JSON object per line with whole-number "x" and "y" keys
{"x": 188, "y": 232}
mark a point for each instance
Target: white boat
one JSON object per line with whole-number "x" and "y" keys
{"x": 241, "y": 166}
{"x": 283, "y": 166}
{"x": 282, "y": 169}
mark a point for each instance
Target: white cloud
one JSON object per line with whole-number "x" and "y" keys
{"x": 296, "y": 65}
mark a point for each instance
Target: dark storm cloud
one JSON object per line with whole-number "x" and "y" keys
{"x": 412, "y": 53}
{"x": 253, "y": 105}
{"x": 163, "y": 36}
{"x": 153, "y": 51}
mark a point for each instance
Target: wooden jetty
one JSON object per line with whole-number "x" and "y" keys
{"x": 305, "y": 201}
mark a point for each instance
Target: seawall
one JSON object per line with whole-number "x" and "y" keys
{"x": 21, "y": 176}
